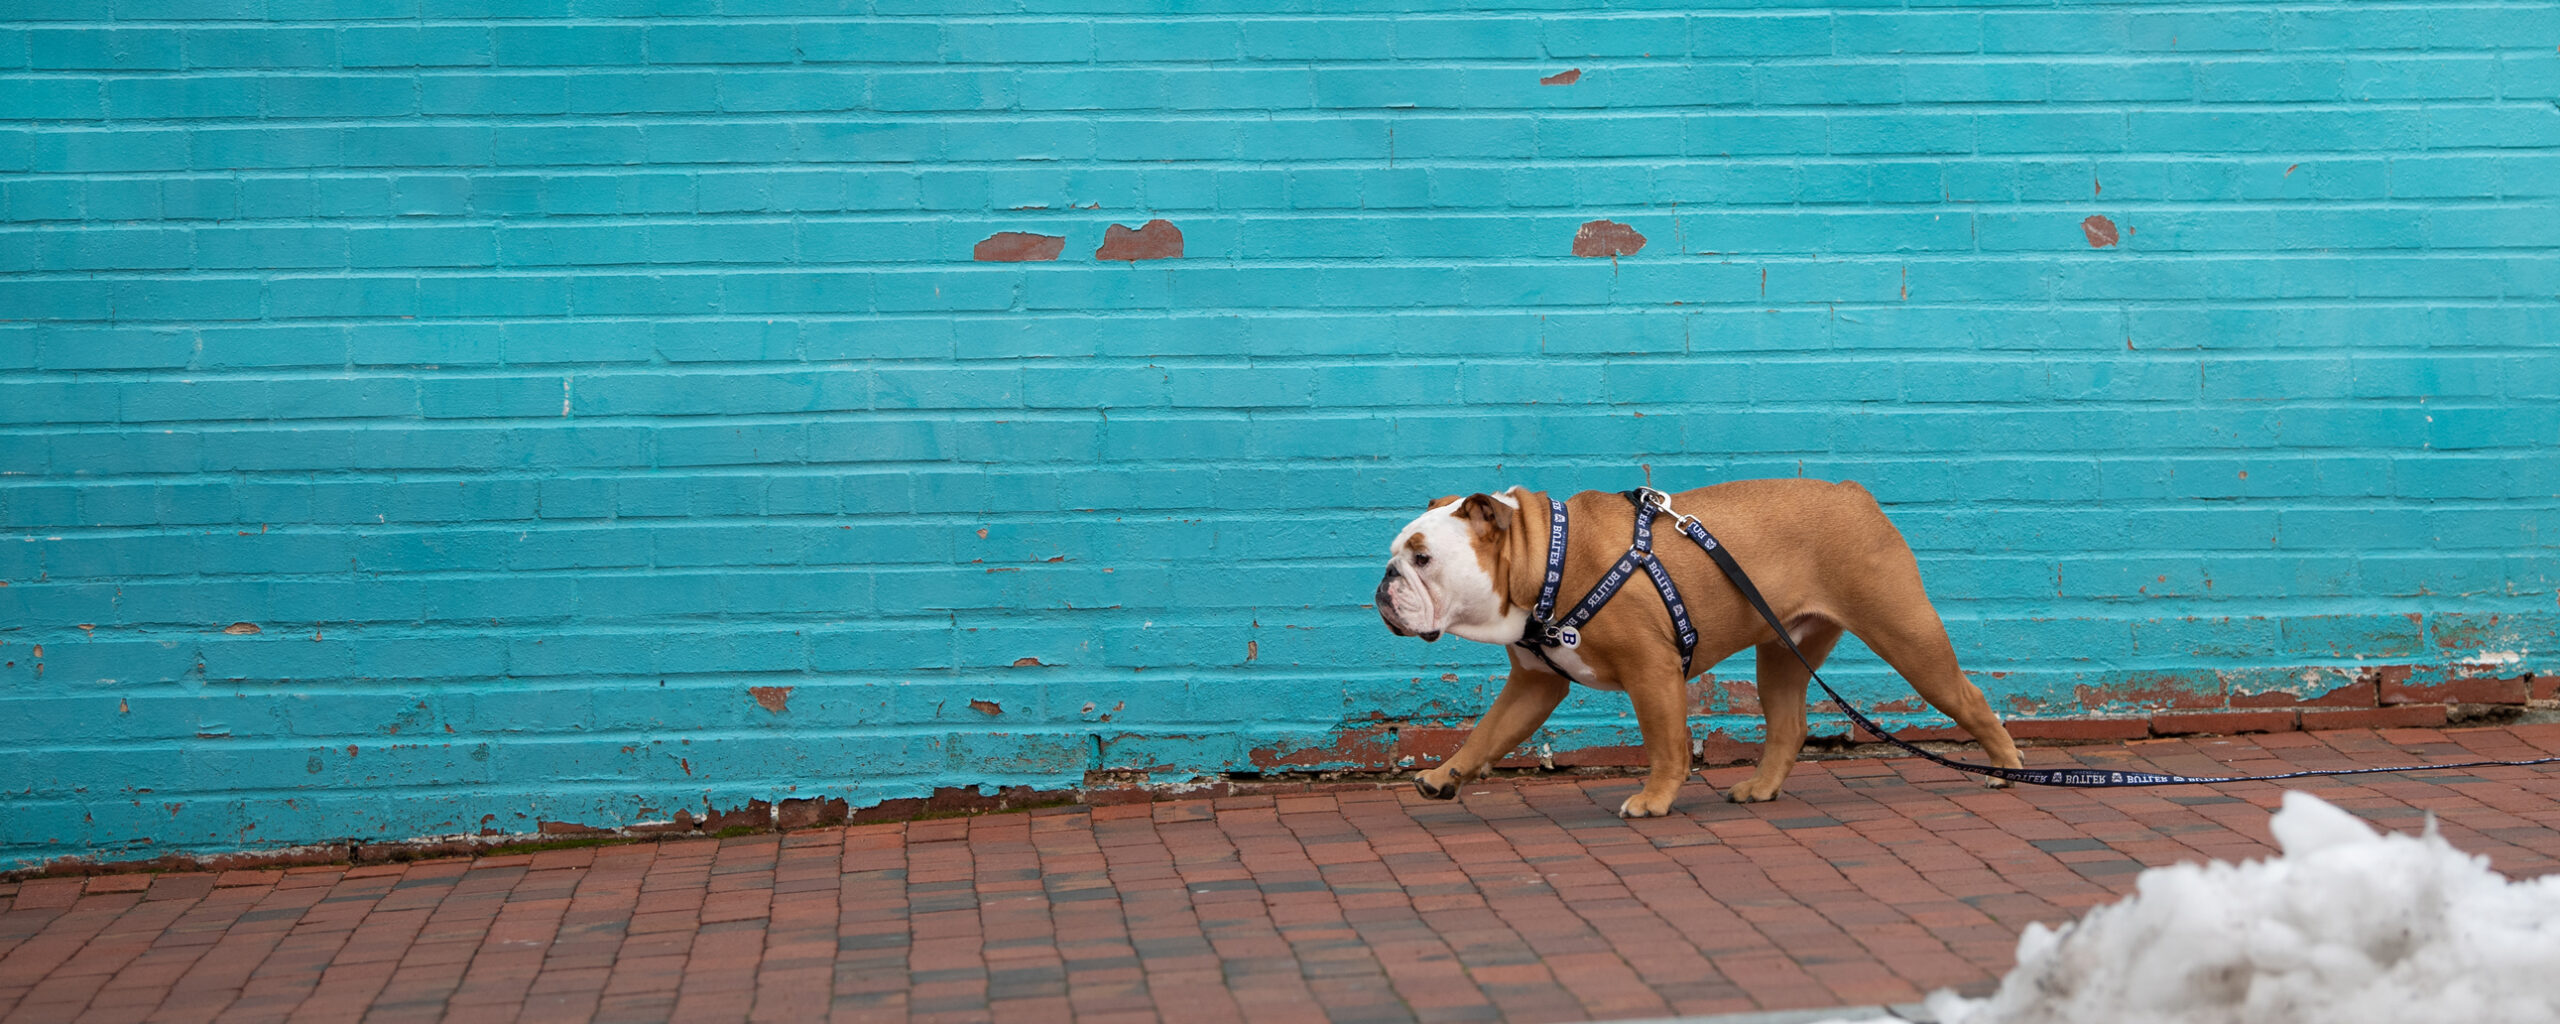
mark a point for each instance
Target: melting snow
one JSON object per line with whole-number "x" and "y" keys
{"x": 2347, "y": 927}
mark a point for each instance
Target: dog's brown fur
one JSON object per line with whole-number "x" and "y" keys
{"x": 1824, "y": 556}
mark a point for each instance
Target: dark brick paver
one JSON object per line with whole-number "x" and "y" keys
{"x": 1874, "y": 881}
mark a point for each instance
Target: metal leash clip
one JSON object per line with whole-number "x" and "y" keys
{"x": 1662, "y": 501}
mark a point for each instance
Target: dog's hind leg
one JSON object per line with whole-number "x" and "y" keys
{"x": 1782, "y": 682}
{"x": 1914, "y": 642}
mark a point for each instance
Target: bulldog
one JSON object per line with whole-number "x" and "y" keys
{"x": 1823, "y": 555}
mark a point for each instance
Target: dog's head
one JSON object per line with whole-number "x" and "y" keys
{"x": 1447, "y": 570}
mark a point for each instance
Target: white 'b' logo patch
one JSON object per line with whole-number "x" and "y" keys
{"x": 1568, "y": 636}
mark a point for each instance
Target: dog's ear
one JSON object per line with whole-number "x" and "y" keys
{"x": 1486, "y": 513}
{"x": 1437, "y": 502}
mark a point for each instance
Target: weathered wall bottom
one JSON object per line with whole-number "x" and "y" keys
{"x": 1103, "y": 788}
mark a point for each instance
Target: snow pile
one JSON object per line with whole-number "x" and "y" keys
{"x": 2347, "y": 927}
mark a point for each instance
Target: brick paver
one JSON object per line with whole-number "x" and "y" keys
{"x": 1873, "y": 881}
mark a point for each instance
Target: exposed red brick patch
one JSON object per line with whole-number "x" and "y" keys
{"x": 948, "y": 800}
{"x": 756, "y": 814}
{"x": 235, "y": 629}
{"x": 776, "y": 699}
{"x": 1019, "y": 247}
{"x": 1607, "y": 238}
{"x": 1915, "y": 734}
{"x": 1156, "y": 240}
{"x": 2078, "y": 728}
{"x": 1565, "y": 77}
{"x": 2411, "y": 716}
{"x": 1602, "y": 757}
{"x": 2224, "y": 722}
{"x": 2356, "y": 693}
{"x": 2101, "y": 231}
{"x": 1428, "y": 745}
{"x": 1368, "y": 748}
{"x": 809, "y": 812}
{"x": 1028, "y": 663}
{"x": 2472, "y": 690}
{"x": 1719, "y": 747}
{"x": 986, "y": 707}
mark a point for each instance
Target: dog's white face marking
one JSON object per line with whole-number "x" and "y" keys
{"x": 1436, "y": 582}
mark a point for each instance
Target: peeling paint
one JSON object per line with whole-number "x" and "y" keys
{"x": 988, "y": 707}
{"x": 1565, "y": 77}
{"x": 1157, "y": 240}
{"x": 2101, "y": 231}
{"x": 1018, "y": 247}
{"x": 1606, "y": 238}
{"x": 1029, "y": 663}
{"x": 1346, "y": 747}
{"x": 242, "y": 629}
{"x": 776, "y": 699}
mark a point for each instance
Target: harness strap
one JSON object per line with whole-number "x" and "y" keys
{"x": 1542, "y": 632}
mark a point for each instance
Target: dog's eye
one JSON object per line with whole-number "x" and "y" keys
{"x": 1421, "y": 559}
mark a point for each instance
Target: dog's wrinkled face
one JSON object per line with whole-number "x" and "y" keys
{"x": 1441, "y": 570}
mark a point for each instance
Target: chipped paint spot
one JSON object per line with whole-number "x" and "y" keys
{"x": 242, "y": 629}
{"x": 986, "y": 707}
{"x": 1019, "y": 247}
{"x": 1372, "y": 746}
{"x": 776, "y": 699}
{"x": 1607, "y": 238}
{"x": 1252, "y": 649}
{"x": 1565, "y": 77}
{"x": 1030, "y": 663}
{"x": 1157, "y": 240}
{"x": 2101, "y": 231}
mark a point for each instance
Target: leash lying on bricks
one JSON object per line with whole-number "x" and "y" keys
{"x": 2085, "y": 777}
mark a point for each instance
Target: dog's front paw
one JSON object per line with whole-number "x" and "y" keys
{"x": 1754, "y": 790}
{"x": 1994, "y": 782}
{"x": 1436, "y": 784}
{"x": 1646, "y": 805}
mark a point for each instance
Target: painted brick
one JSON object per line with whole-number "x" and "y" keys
{"x": 702, "y": 385}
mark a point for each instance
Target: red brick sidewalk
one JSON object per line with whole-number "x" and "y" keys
{"x": 1872, "y": 882}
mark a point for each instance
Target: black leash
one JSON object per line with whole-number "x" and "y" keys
{"x": 1649, "y": 501}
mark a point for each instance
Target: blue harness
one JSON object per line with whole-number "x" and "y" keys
{"x": 1545, "y": 631}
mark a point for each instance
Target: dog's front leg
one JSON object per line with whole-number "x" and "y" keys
{"x": 1662, "y": 713}
{"x": 1524, "y": 704}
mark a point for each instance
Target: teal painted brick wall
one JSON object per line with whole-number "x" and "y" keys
{"x": 423, "y": 416}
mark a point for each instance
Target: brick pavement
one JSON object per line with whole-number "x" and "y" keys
{"x": 1873, "y": 882}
